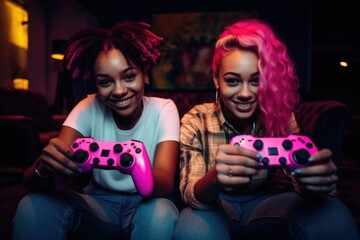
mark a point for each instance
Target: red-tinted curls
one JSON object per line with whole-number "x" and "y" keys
{"x": 134, "y": 39}
{"x": 278, "y": 89}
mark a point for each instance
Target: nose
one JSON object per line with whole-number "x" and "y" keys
{"x": 244, "y": 91}
{"x": 119, "y": 89}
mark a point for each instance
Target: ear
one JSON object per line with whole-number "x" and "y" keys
{"x": 146, "y": 78}
{"x": 216, "y": 82}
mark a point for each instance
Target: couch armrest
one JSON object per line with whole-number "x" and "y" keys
{"x": 19, "y": 141}
{"x": 57, "y": 121}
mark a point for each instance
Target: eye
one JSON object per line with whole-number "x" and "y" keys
{"x": 232, "y": 81}
{"x": 104, "y": 82}
{"x": 255, "y": 81}
{"x": 129, "y": 77}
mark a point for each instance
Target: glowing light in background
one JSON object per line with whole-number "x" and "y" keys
{"x": 343, "y": 64}
{"x": 18, "y": 34}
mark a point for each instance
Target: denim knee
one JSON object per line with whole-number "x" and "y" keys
{"x": 155, "y": 218}
{"x": 39, "y": 215}
{"x": 202, "y": 224}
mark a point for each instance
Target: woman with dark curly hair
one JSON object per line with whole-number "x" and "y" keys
{"x": 117, "y": 60}
{"x": 223, "y": 185}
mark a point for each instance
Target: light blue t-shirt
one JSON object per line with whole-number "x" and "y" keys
{"x": 159, "y": 122}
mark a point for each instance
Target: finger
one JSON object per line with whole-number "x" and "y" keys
{"x": 323, "y": 169}
{"x": 323, "y": 155}
{"x": 319, "y": 180}
{"x": 320, "y": 189}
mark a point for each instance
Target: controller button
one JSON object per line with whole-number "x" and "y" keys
{"x": 80, "y": 156}
{"x": 118, "y": 148}
{"x": 309, "y": 145}
{"x": 138, "y": 150}
{"x": 96, "y": 161}
{"x": 236, "y": 144}
{"x": 110, "y": 162}
{"x": 282, "y": 161}
{"x": 75, "y": 145}
{"x": 258, "y": 144}
{"x": 287, "y": 144}
{"x": 126, "y": 160}
{"x": 301, "y": 156}
{"x": 94, "y": 147}
{"x": 265, "y": 161}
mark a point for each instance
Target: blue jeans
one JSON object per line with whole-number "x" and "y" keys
{"x": 268, "y": 216}
{"x": 96, "y": 214}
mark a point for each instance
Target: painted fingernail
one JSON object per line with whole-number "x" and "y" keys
{"x": 79, "y": 171}
{"x": 258, "y": 156}
{"x": 311, "y": 159}
{"x": 297, "y": 171}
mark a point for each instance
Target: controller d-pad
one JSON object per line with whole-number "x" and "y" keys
{"x": 118, "y": 148}
{"x": 287, "y": 144}
{"x": 126, "y": 160}
{"x": 94, "y": 147}
{"x": 258, "y": 145}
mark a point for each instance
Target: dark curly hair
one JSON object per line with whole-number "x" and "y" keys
{"x": 134, "y": 39}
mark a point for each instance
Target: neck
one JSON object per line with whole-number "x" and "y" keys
{"x": 128, "y": 122}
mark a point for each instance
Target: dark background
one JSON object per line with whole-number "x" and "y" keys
{"x": 318, "y": 33}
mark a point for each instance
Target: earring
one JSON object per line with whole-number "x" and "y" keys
{"x": 147, "y": 87}
{"x": 216, "y": 95}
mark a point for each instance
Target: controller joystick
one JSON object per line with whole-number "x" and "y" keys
{"x": 128, "y": 157}
{"x": 290, "y": 152}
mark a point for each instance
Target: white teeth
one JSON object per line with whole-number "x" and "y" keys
{"x": 124, "y": 102}
{"x": 243, "y": 104}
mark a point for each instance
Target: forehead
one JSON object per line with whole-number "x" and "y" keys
{"x": 238, "y": 59}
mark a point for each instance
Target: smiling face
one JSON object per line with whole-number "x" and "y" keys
{"x": 238, "y": 83}
{"x": 120, "y": 85}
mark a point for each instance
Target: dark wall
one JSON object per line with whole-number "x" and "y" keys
{"x": 291, "y": 19}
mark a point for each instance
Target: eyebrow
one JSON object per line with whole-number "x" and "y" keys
{"x": 239, "y": 75}
{"x": 122, "y": 72}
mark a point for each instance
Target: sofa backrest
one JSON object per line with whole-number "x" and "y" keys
{"x": 30, "y": 103}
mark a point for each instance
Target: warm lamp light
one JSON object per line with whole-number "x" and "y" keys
{"x": 21, "y": 83}
{"x": 57, "y": 49}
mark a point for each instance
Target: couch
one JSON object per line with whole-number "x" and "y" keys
{"x": 26, "y": 126}
{"x": 322, "y": 121}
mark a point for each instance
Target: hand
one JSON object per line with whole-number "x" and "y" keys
{"x": 235, "y": 165}
{"x": 319, "y": 178}
{"x": 56, "y": 158}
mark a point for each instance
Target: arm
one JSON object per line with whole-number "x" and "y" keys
{"x": 165, "y": 162}
{"x": 55, "y": 159}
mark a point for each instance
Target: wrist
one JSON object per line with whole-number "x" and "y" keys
{"x": 39, "y": 171}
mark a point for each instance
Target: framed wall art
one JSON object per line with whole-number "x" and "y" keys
{"x": 187, "y": 48}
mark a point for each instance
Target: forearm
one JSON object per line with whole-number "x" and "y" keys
{"x": 207, "y": 188}
{"x": 163, "y": 183}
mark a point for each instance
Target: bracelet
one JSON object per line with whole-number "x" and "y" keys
{"x": 38, "y": 173}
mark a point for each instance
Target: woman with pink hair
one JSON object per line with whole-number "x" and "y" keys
{"x": 226, "y": 191}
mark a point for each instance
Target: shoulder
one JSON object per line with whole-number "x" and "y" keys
{"x": 159, "y": 103}
{"x": 200, "y": 111}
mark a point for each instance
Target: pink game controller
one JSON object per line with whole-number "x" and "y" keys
{"x": 129, "y": 157}
{"x": 291, "y": 152}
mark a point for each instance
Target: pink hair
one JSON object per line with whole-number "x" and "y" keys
{"x": 278, "y": 89}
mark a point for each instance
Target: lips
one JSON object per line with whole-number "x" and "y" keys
{"x": 244, "y": 107}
